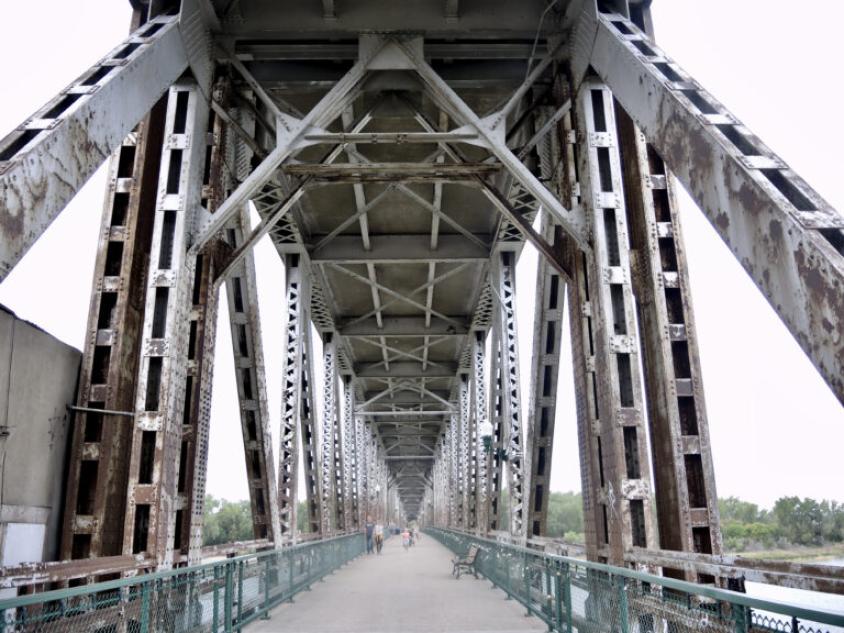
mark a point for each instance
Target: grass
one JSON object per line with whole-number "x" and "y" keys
{"x": 805, "y": 554}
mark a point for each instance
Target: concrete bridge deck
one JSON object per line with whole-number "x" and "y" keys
{"x": 400, "y": 591}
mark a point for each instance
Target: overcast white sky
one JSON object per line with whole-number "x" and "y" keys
{"x": 776, "y": 429}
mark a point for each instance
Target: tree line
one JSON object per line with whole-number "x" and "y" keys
{"x": 792, "y": 521}
{"x": 230, "y": 521}
{"x": 744, "y": 525}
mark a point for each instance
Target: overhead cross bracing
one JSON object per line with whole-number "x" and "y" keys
{"x": 399, "y": 173}
{"x": 399, "y": 230}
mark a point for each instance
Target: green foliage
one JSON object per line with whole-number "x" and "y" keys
{"x": 565, "y": 516}
{"x": 792, "y": 522}
{"x": 734, "y": 509}
{"x": 226, "y": 521}
{"x": 302, "y": 517}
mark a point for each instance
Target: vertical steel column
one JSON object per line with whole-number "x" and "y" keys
{"x": 465, "y": 448}
{"x": 97, "y": 473}
{"x": 245, "y": 323}
{"x": 293, "y": 419}
{"x": 496, "y": 405}
{"x": 309, "y": 430}
{"x": 332, "y": 476}
{"x": 455, "y": 489}
{"x": 381, "y": 479}
{"x": 350, "y": 458}
{"x": 505, "y": 287}
{"x": 247, "y": 345}
{"x": 624, "y": 493}
{"x": 582, "y": 331}
{"x": 481, "y": 414}
{"x": 152, "y": 502}
{"x": 199, "y": 361}
{"x": 547, "y": 333}
{"x": 684, "y": 477}
{"x": 362, "y": 433}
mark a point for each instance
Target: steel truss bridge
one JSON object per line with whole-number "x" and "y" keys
{"x": 400, "y": 156}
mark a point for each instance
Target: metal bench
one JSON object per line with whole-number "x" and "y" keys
{"x": 467, "y": 563}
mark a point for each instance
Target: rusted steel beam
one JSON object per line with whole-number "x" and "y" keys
{"x": 388, "y": 172}
{"x": 95, "y": 492}
{"x": 152, "y": 508}
{"x": 397, "y": 138}
{"x": 612, "y": 430}
{"x": 788, "y": 239}
{"x": 199, "y": 360}
{"x": 47, "y": 159}
{"x": 196, "y": 417}
{"x": 238, "y": 547}
{"x": 45, "y": 573}
{"x": 811, "y": 577}
{"x": 684, "y": 477}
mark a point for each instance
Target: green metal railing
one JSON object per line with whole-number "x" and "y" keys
{"x": 568, "y": 594}
{"x": 216, "y": 597}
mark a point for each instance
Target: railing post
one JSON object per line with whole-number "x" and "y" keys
{"x": 290, "y": 565}
{"x": 215, "y": 615}
{"x": 622, "y": 605}
{"x": 227, "y": 611}
{"x": 558, "y": 597}
{"x": 509, "y": 588}
{"x": 266, "y": 615}
{"x": 526, "y": 578}
{"x": 567, "y": 595}
{"x": 144, "y": 609}
{"x": 741, "y": 616}
{"x": 240, "y": 594}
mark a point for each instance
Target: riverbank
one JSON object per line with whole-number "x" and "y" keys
{"x": 803, "y": 554}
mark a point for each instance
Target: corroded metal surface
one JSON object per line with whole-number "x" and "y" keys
{"x": 399, "y": 191}
{"x": 620, "y": 489}
{"x": 45, "y": 161}
{"x": 152, "y": 507}
{"x": 787, "y": 238}
{"x": 684, "y": 476}
{"x": 95, "y": 501}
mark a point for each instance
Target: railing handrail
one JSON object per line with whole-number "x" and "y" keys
{"x": 714, "y": 593}
{"x": 108, "y": 585}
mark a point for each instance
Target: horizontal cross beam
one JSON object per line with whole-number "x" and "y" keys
{"x": 399, "y": 249}
{"x": 390, "y": 137}
{"x": 407, "y": 327}
{"x": 405, "y": 370}
{"x": 387, "y": 172}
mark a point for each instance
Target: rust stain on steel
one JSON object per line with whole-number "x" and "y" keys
{"x": 812, "y": 577}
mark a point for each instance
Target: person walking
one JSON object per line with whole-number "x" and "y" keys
{"x": 370, "y": 533}
{"x": 379, "y": 537}
{"x": 405, "y": 538}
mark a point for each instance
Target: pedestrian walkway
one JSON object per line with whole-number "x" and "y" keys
{"x": 400, "y": 591}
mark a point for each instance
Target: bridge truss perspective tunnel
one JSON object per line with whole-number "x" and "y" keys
{"x": 400, "y": 155}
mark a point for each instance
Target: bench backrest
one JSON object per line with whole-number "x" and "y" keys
{"x": 473, "y": 552}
